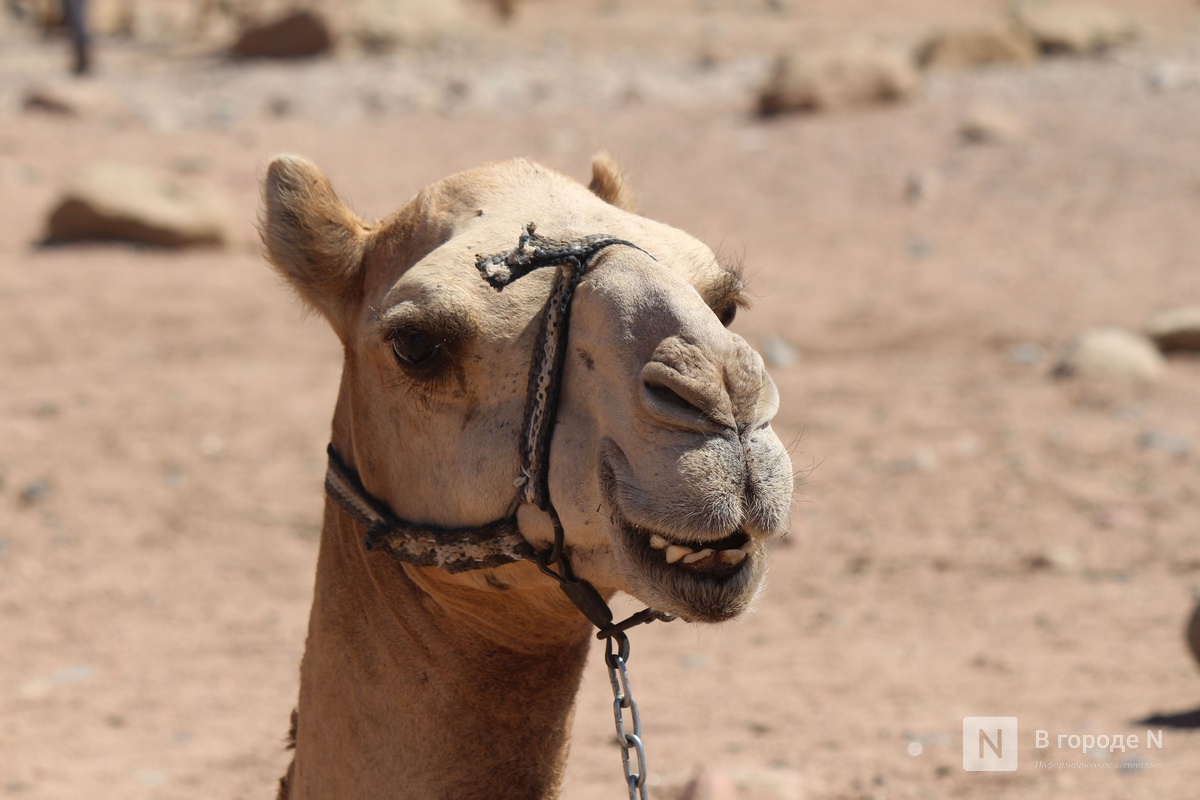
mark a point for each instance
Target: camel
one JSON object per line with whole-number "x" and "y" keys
{"x": 665, "y": 479}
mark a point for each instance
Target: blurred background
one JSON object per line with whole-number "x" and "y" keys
{"x": 970, "y": 232}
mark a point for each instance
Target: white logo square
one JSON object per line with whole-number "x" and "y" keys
{"x": 990, "y": 744}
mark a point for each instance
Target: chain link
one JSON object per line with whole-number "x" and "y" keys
{"x": 614, "y": 660}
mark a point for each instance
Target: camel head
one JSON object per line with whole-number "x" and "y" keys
{"x": 665, "y": 472}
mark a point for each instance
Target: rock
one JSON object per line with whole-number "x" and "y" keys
{"x": 1165, "y": 442}
{"x": 76, "y": 99}
{"x": 380, "y": 26}
{"x": 923, "y": 459}
{"x": 34, "y": 492}
{"x": 112, "y": 18}
{"x": 43, "y": 685}
{"x": 710, "y": 784}
{"x": 1166, "y": 77}
{"x": 1112, "y": 353}
{"x": 1175, "y": 329}
{"x": 922, "y": 186}
{"x": 299, "y": 34}
{"x": 1062, "y": 559}
{"x": 777, "y": 352}
{"x": 1026, "y": 353}
{"x": 1193, "y": 633}
{"x": 984, "y": 124}
{"x": 116, "y": 202}
{"x": 834, "y": 80}
{"x": 968, "y": 48}
{"x": 1074, "y": 29}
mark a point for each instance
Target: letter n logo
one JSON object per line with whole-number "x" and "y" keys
{"x": 989, "y": 744}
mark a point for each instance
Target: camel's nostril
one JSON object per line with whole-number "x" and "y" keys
{"x": 669, "y": 397}
{"x": 684, "y": 401}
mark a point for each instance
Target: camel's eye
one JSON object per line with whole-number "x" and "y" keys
{"x": 726, "y": 314}
{"x": 416, "y": 349}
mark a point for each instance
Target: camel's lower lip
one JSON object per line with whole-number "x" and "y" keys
{"x": 703, "y": 581}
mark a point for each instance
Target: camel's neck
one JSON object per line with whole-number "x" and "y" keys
{"x": 416, "y": 685}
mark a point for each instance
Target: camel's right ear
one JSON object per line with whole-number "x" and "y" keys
{"x": 610, "y": 185}
{"x": 312, "y": 239}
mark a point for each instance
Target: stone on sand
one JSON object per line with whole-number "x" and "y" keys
{"x": 987, "y": 124}
{"x": 1175, "y": 329}
{"x": 117, "y": 202}
{"x": 968, "y": 48}
{"x": 385, "y": 25}
{"x": 1068, "y": 29}
{"x": 1112, "y": 353}
{"x": 1193, "y": 633}
{"x": 837, "y": 79}
{"x": 76, "y": 99}
{"x": 298, "y": 34}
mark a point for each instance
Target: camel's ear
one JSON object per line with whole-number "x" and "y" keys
{"x": 313, "y": 239}
{"x": 609, "y": 184}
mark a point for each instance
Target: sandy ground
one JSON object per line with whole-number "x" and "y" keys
{"x": 972, "y": 535}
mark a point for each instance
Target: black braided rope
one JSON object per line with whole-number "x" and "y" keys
{"x": 534, "y": 252}
{"x": 454, "y": 549}
{"x": 572, "y": 258}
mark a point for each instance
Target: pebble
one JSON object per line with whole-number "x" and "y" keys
{"x": 40, "y": 687}
{"x": 923, "y": 459}
{"x": 1061, "y": 559}
{"x": 1165, "y": 442}
{"x": 919, "y": 247}
{"x": 922, "y": 186}
{"x": 34, "y": 492}
{"x": 1028, "y": 354}
{"x": 984, "y": 124}
{"x": 777, "y": 352}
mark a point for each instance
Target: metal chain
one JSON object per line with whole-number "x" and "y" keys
{"x": 615, "y": 659}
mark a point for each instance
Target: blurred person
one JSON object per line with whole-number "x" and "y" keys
{"x": 75, "y": 17}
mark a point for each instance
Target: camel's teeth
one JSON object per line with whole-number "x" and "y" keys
{"x": 748, "y": 546}
{"x": 658, "y": 542}
{"x": 676, "y": 552}
{"x": 732, "y": 557}
{"x": 699, "y": 555}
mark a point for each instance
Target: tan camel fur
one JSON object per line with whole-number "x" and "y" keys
{"x": 665, "y": 472}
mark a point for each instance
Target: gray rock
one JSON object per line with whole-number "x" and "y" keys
{"x": 777, "y": 352}
{"x": 833, "y": 80}
{"x": 968, "y": 48}
{"x": 34, "y": 492}
{"x": 115, "y": 202}
{"x": 299, "y": 34}
{"x": 1175, "y": 329}
{"x": 1164, "y": 442}
{"x": 1069, "y": 29}
{"x": 1026, "y": 353}
{"x": 1112, "y": 353}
